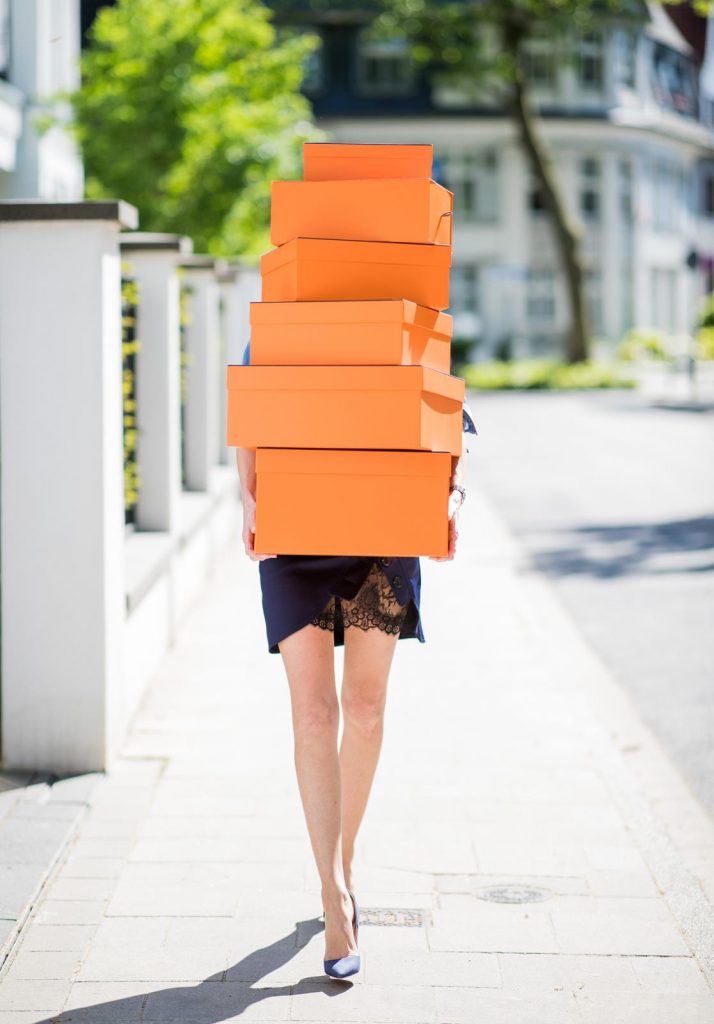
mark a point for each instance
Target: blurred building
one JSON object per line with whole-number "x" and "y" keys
{"x": 628, "y": 111}
{"x": 39, "y": 50}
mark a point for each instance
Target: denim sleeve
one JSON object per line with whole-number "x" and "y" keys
{"x": 246, "y": 355}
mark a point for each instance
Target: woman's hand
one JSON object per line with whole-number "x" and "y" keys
{"x": 453, "y": 534}
{"x": 249, "y": 529}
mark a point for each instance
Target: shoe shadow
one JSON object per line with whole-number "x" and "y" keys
{"x": 220, "y": 997}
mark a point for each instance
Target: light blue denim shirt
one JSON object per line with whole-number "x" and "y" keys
{"x": 469, "y": 427}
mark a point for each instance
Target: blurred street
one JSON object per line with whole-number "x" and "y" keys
{"x": 529, "y": 855}
{"x": 614, "y": 502}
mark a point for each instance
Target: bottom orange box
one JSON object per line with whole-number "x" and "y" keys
{"x": 323, "y": 501}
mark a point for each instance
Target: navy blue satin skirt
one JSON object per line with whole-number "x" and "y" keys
{"x": 296, "y": 588}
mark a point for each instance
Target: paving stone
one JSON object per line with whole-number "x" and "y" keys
{"x": 467, "y": 1005}
{"x": 470, "y": 924}
{"x": 645, "y": 1008}
{"x": 329, "y": 1000}
{"x": 569, "y": 973}
{"x": 621, "y": 883}
{"x": 69, "y": 911}
{"x": 217, "y": 1001}
{"x": 92, "y": 889}
{"x": 146, "y": 962}
{"x": 478, "y": 970}
{"x": 616, "y": 926}
{"x": 18, "y": 883}
{"x": 57, "y": 937}
{"x": 44, "y": 965}
{"x": 91, "y": 867}
{"x": 671, "y": 974}
{"x": 116, "y": 1002}
{"x": 46, "y": 997}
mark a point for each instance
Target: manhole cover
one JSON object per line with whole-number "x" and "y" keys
{"x": 389, "y": 917}
{"x": 513, "y": 894}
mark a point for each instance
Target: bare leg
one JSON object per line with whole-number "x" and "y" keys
{"x": 308, "y": 656}
{"x": 368, "y": 658}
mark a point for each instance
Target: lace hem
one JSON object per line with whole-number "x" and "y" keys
{"x": 373, "y": 607}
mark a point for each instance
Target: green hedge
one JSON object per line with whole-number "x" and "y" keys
{"x": 531, "y": 374}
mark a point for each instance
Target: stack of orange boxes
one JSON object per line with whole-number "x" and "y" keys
{"x": 348, "y": 397}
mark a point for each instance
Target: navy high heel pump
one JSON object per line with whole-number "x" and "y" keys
{"x": 345, "y": 966}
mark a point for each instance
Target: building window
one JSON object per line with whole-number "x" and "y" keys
{"x": 625, "y": 51}
{"x": 540, "y": 301}
{"x": 314, "y": 80}
{"x": 472, "y": 175}
{"x": 465, "y": 307}
{"x": 540, "y": 63}
{"x": 4, "y": 38}
{"x": 536, "y": 200}
{"x": 668, "y": 196}
{"x": 664, "y": 299}
{"x": 624, "y": 174}
{"x": 674, "y": 84}
{"x": 384, "y": 66}
{"x": 590, "y": 60}
{"x": 589, "y": 173}
{"x": 593, "y": 299}
{"x": 464, "y": 289}
{"x": 707, "y": 202}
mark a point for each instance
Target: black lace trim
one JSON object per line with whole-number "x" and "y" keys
{"x": 374, "y": 606}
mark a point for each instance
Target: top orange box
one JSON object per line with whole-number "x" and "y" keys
{"x": 329, "y": 161}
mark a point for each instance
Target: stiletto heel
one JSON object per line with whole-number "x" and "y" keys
{"x": 345, "y": 966}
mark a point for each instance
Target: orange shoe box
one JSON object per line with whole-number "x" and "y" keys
{"x": 377, "y": 407}
{"x": 328, "y": 502}
{"x": 376, "y": 210}
{"x": 320, "y": 268}
{"x": 325, "y": 161}
{"x": 389, "y": 332}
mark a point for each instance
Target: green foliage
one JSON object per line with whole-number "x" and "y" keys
{"x": 129, "y": 347}
{"x": 705, "y": 329}
{"x": 639, "y": 343}
{"x": 533, "y": 374}
{"x": 189, "y": 110}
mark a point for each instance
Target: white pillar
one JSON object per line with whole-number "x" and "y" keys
{"x": 61, "y": 479}
{"x": 153, "y": 260}
{"x": 202, "y": 410}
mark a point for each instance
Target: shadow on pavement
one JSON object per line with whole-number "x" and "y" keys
{"x": 223, "y": 995}
{"x": 609, "y": 551}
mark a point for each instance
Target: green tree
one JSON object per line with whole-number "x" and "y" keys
{"x": 189, "y": 110}
{"x": 483, "y": 45}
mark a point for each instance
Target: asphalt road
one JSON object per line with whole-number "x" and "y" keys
{"x": 614, "y": 501}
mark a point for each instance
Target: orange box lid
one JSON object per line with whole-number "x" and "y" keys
{"x": 351, "y": 311}
{"x": 323, "y": 161}
{"x": 405, "y": 204}
{"x": 344, "y": 378}
{"x": 339, "y": 250}
{"x": 352, "y": 462}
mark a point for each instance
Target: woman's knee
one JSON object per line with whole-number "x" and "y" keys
{"x": 315, "y": 714}
{"x": 364, "y": 709}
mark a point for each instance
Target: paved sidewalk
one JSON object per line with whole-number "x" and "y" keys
{"x": 513, "y": 769}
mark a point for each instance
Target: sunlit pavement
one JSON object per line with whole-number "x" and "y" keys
{"x": 529, "y": 853}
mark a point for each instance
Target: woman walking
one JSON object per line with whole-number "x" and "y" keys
{"x": 311, "y": 605}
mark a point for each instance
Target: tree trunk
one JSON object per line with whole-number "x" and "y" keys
{"x": 567, "y": 234}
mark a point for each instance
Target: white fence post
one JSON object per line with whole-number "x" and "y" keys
{"x": 154, "y": 259}
{"x": 61, "y": 479}
{"x": 202, "y": 409}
